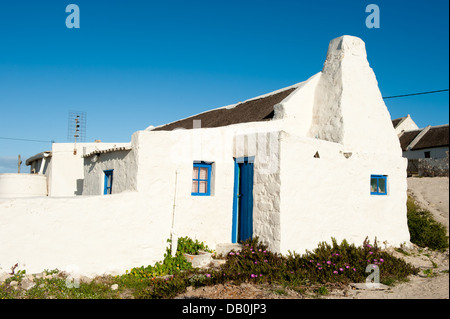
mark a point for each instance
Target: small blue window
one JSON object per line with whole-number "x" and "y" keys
{"x": 378, "y": 184}
{"x": 201, "y": 179}
{"x": 107, "y": 189}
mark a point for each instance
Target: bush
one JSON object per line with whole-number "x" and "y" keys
{"x": 186, "y": 245}
{"x": 335, "y": 263}
{"x": 424, "y": 230}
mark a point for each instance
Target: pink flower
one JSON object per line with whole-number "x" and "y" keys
{"x": 347, "y": 266}
{"x": 354, "y": 269}
{"x": 208, "y": 275}
{"x": 335, "y": 272}
{"x": 320, "y": 268}
{"x": 265, "y": 260}
{"x": 381, "y": 259}
{"x": 256, "y": 262}
{"x": 329, "y": 262}
{"x": 341, "y": 269}
{"x": 370, "y": 252}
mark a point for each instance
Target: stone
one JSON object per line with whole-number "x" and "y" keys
{"x": 114, "y": 287}
{"x": 199, "y": 261}
{"x": 27, "y": 284}
{"x": 4, "y": 276}
{"x": 225, "y": 248}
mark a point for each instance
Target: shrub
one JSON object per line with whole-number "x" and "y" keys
{"x": 186, "y": 245}
{"x": 424, "y": 230}
{"x": 335, "y": 263}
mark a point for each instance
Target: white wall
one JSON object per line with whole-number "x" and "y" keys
{"x": 330, "y": 196}
{"x": 407, "y": 124}
{"x": 435, "y": 152}
{"x": 22, "y": 185}
{"x": 97, "y": 234}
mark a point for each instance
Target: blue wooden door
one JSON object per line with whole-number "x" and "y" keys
{"x": 243, "y": 201}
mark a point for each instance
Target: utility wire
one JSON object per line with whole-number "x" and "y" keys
{"x": 24, "y": 139}
{"x": 429, "y": 92}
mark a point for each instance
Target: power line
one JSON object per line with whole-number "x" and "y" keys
{"x": 24, "y": 139}
{"x": 429, "y": 92}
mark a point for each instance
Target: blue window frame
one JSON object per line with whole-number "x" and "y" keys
{"x": 378, "y": 184}
{"x": 107, "y": 189}
{"x": 201, "y": 179}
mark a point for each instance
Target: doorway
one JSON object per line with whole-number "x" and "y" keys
{"x": 242, "y": 228}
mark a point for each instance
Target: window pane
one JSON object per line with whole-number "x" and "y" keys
{"x": 195, "y": 173}
{"x": 203, "y": 173}
{"x": 194, "y": 187}
{"x": 381, "y": 185}
{"x": 373, "y": 185}
{"x": 203, "y": 187}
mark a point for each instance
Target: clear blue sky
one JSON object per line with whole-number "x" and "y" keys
{"x": 137, "y": 63}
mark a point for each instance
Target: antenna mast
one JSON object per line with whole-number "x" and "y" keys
{"x": 77, "y": 128}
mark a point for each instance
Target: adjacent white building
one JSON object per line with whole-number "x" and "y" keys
{"x": 295, "y": 167}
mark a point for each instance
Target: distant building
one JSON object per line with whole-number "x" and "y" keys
{"x": 428, "y": 142}
{"x": 63, "y": 168}
{"x": 426, "y": 149}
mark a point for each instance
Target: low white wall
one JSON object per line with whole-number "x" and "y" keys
{"x": 22, "y": 185}
{"x": 97, "y": 234}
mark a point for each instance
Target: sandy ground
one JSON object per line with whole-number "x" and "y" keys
{"x": 431, "y": 193}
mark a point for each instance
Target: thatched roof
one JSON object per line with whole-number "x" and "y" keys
{"x": 407, "y": 137}
{"x": 254, "y": 110}
{"x": 396, "y": 122}
{"x": 436, "y": 136}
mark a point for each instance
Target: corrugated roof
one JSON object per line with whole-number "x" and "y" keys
{"x": 255, "y": 110}
{"x": 113, "y": 149}
{"x": 38, "y": 156}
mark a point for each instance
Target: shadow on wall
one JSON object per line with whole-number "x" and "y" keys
{"x": 79, "y": 190}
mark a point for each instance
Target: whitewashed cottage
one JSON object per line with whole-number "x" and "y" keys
{"x": 295, "y": 167}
